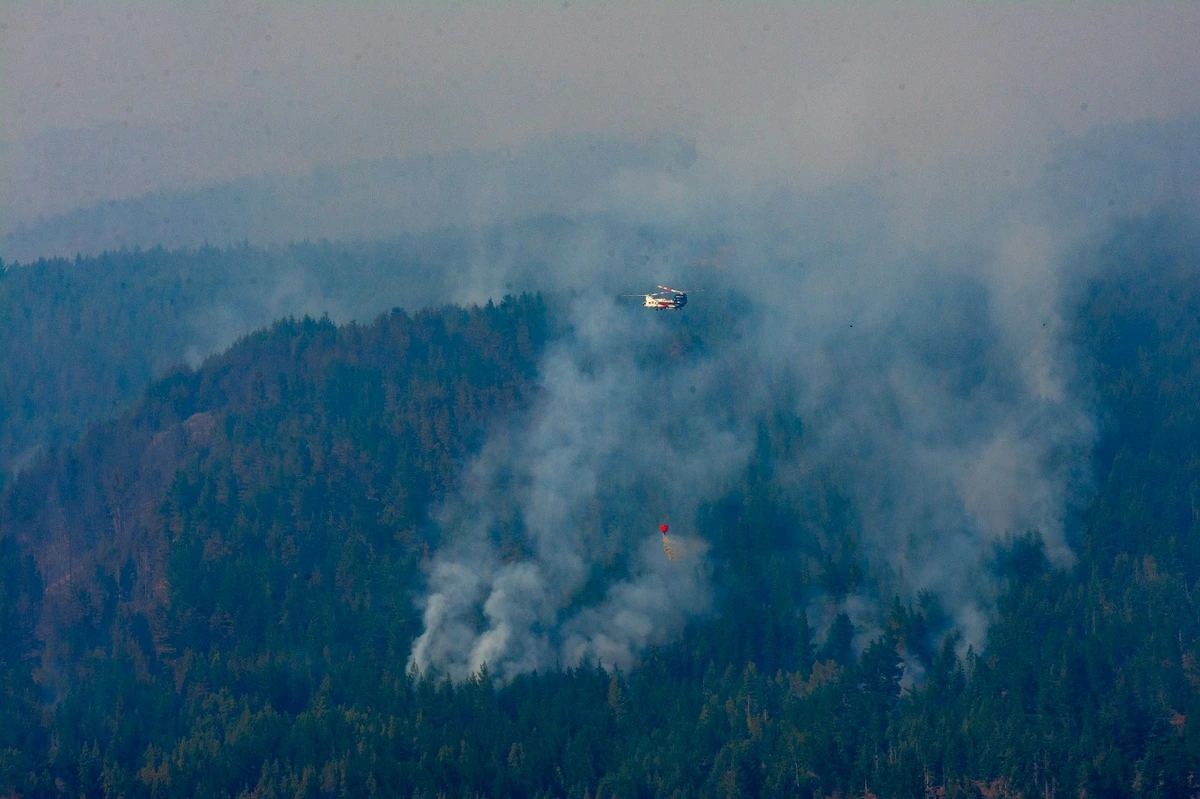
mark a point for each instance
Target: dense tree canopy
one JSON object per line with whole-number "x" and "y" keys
{"x": 214, "y": 594}
{"x": 84, "y": 337}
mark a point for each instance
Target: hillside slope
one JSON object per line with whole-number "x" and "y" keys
{"x": 225, "y": 582}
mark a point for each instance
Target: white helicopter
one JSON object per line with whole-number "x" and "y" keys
{"x": 668, "y": 299}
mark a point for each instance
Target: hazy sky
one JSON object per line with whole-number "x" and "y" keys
{"x": 111, "y": 99}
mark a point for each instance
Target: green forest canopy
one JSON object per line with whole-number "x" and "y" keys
{"x": 213, "y": 594}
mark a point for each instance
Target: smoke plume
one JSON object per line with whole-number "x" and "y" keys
{"x": 551, "y": 552}
{"x": 936, "y": 381}
{"x": 923, "y": 345}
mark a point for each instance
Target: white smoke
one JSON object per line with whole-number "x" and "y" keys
{"x": 936, "y": 380}
{"x": 551, "y": 551}
{"x": 924, "y": 348}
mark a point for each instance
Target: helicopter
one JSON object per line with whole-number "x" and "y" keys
{"x": 668, "y": 299}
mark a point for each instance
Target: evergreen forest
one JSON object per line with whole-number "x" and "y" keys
{"x": 210, "y": 574}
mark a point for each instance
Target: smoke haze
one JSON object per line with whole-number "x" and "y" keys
{"x": 935, "y": 384}
{"x": 863, "y": 191}
{"x": 119, "y": 99}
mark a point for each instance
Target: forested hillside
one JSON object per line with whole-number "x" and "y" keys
{"x": 217, "y": 593}
{"x": 84, "y": 337}
{"x": 192, "y": 538}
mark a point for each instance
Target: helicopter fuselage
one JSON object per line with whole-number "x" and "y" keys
{"x": 671, "y": 303}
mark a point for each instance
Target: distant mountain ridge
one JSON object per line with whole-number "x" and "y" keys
{"x": 358, "y": 201}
